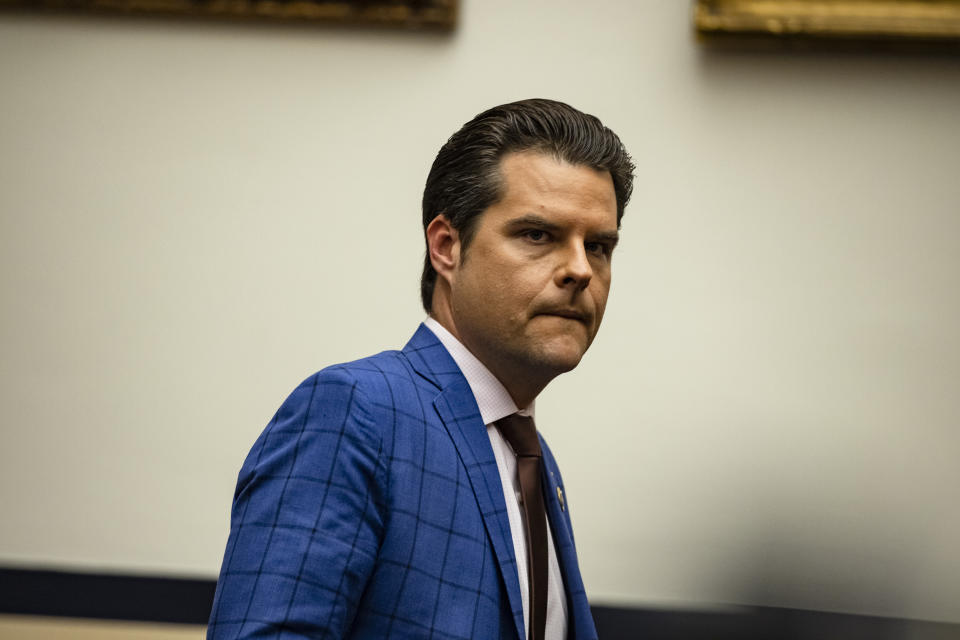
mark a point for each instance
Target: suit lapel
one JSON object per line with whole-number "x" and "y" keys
{"x": 458, "y": 410}
{"x": 580, "y": 619}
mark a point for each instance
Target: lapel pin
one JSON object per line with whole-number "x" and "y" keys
{"x": 560, "y": 497}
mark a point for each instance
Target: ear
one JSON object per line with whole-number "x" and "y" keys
{"x": 443, "y": 246}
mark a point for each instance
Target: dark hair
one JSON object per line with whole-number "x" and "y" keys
{"x": 465, "y": 177}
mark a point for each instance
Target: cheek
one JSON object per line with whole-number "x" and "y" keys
{"x": 491, "y": 296}
{"x": 512, "y": 300}
{"x": 600, "y": 298}
{"x": 528, "y": 294}
{"x": 502, "y": 286}
{"x": 513, "y": 283}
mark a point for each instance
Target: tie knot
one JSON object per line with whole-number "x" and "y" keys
{"x": 521, "y": 433}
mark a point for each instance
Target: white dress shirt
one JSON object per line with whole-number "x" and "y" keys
{"x": 495, "y": 403}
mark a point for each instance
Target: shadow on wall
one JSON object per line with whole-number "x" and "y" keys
{"x": 761, "y": 623}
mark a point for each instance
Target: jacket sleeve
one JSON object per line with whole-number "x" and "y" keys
{"x": 307, "y": 518}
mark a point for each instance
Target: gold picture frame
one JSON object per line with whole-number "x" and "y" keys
{"x": 910, "y": 23}
{"x": 408, "y": 14}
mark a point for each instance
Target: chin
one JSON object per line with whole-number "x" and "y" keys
{"x": 561, "y": 358}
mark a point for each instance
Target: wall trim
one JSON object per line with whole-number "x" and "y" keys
{"x": 44, "y": 592}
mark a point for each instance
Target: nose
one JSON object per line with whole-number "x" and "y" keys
{"x": 574, "y": 270}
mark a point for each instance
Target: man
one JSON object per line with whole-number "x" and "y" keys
{"x": 405, "y": 495}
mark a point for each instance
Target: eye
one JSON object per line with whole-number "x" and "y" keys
{"x": 597, "y": 248}
{"x": 536, "y": 235}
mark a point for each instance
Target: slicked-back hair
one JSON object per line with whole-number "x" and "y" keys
{"x": 465, "y": 178}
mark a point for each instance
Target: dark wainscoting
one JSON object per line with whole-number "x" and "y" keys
{"x": 40, "y": 592}
{"x": 104, "y": 596}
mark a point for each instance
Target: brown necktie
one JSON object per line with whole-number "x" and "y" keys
{"x": 521, "y": 433}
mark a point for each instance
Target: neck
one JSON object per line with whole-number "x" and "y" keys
{"x": 522, "y": 384}
{"x": 523, "y": 393}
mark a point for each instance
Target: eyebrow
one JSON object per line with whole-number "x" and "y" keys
{"x": 607, "y": 237}
{"x": 532, "y": 220}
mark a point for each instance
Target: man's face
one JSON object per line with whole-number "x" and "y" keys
{"x": 528, "y": 295}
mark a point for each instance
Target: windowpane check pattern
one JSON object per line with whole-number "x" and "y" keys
{"x": 371, "y": 507}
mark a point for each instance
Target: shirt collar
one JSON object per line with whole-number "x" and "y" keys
{"x": 492, "y": 397}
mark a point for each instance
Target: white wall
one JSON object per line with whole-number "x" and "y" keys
{"x": 197, "y": 216}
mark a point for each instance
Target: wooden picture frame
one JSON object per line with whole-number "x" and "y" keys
{"x": 894, "y": 23}
{"x": 407, "y": 14}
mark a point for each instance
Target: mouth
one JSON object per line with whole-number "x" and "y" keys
{"x": 570, "y": 314}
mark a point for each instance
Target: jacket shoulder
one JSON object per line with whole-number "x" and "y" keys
{"x": 381, "y": 385}
{"x": 376, "y": 376}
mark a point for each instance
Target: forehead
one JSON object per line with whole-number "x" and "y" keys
{"x": 541, "y": 184}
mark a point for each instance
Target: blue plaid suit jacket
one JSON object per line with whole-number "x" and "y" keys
{"x": 371, "y": 507}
